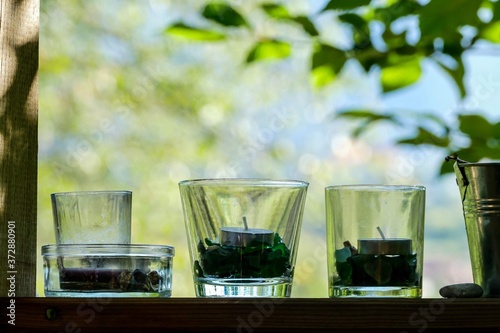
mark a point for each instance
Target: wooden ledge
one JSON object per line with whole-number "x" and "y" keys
{"x": 74, "y": 315}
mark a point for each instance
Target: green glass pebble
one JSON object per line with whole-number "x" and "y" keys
{"x": 256, "y": 260}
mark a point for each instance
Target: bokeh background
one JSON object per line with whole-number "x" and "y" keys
{"x": 125, "y": 105}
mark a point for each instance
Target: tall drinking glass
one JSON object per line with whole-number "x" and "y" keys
{"x": 92, "y": 217}
{"x": 243, "y": 235}
{"x": 375, "y": 237}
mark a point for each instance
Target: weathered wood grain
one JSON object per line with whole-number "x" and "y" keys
{"x": 18, "y": 141}
{"x": 254, "y": 315}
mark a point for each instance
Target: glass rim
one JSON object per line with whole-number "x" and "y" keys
{"x": 96, "y": 192}
{"x": 478, "y": 164}
{"x": 375, "y": 187}
{"x": 243, "y": 181}
{"x": 143, "y": 250}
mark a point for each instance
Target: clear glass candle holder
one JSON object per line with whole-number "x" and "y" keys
{"x": 243, "y": 235}
{"x": 92, "y": 217}
{"x": 375, "y": 237}
{"x": 107, "y": 270}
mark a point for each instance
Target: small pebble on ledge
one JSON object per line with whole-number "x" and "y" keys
{"x": 461, "y": 290}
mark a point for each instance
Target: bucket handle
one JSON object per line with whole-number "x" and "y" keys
{"x": 462, "y": 180}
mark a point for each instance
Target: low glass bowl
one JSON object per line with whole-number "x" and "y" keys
{"x": 107, "y": 270}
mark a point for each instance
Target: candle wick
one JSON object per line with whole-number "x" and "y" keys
{"x": 381, "y": 233}
{"x": 245, "y": 222}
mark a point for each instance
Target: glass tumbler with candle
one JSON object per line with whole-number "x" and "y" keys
{"x": 92, "y": 217}
{"x": 375, "y": 237}
{"x": 243, "y": 235}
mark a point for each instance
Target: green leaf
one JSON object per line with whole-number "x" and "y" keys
{"x": 491, "y": 32}
{"x": 484, "y": 140}
{"x": 353, "y": 19}
{"x": 457, "y": 74}
{"x": 426, "y": 137}
{"x": 360, "y": 30}
{"x": 345, "y": 4}
{"x": 369, "y": 118}
{"x": 280, "y": 12}
{"x": 223, "y": 14}
{"x": 476, "y": 126}
{"x": 306, "y": 24}
{"x": 446, "y": 167}
{"x": 475, "y": 153}
{"x": 400, "y": 75}
{"x": 395, "y": 10}
{"x": 493, "y": 153}
{"x": 453, "y": 45}
{"x": 322, "y": 75}
{"x": 272, "y": 49}
{"x": 496, "y": 130}
{"x": 443, "y": 18}
{"x": 393, "y": 40}
{"x": 364, "y": 114}
{"x": 437, "y": 120}
{"x": 327, "y": 62}
{"x": 490, "y": 153}
{"x": 184, "y": 31}
{"x": 369, "y": 56}
{"x": 496, "y": 11}
{"x": 276, "y": 11}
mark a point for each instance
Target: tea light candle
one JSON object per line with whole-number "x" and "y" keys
{"x": 242, "y": 236}
{"x": 394, "y": 246}
{"x": 384, "y": 246}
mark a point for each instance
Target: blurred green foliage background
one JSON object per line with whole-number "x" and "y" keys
{"x": 126, "y": 105}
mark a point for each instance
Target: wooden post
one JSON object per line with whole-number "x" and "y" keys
{"x": 19, "y": 22}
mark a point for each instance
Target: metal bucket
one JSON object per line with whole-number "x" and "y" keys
{"x": 479, "y": 185}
